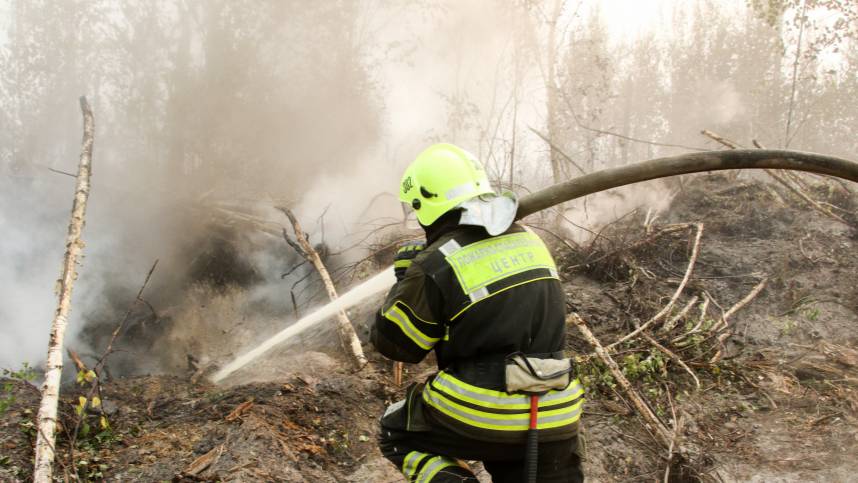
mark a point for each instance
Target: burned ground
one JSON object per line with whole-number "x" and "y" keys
{"x": 780, "y": 405}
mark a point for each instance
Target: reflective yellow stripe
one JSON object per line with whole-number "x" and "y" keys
{"x": 502, "y": 400}
{"x": 487, "y": 261}
{"x": 433, "y": 466}
{"x": 547, "y": 419}
{"x": 398, "y": 317}
{"x": 410, "y": 248}
{"x": 444, "y": 391}
{"x": 412, "y": 460}
{"x": 414, "y": 313}
{"x": 402, "y": 264}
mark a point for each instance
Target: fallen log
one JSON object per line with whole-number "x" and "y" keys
{"x": 47, "y": 418}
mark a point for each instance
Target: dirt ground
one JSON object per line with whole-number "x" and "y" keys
{"x": 780, "y": 406}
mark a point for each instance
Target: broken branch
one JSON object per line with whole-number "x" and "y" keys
{"x": 720, "y": 139}
{"x": 735, "y": 308}
{"x": 695, "y": 249}
{"x": 348, "y": 337}
{"x": 785, "y": 178}
{"x": 664, "y": 435}
{"x": 557, "y": 150}
{"x": 95, "y": 385}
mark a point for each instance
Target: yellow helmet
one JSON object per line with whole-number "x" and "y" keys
{"x": 440, "y": 179}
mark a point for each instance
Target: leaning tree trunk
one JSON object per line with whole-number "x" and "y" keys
{"x": 47, "y": 419}
{"x": 348, "y": 337}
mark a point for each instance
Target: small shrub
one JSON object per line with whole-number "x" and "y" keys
{"x": 7, "y": 398}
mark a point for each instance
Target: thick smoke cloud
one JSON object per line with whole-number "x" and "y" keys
{"x": 200, "y": 107}
{"x": 205, "y": 110}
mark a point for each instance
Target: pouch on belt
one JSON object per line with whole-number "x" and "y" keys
{"x": 531, "y": 375}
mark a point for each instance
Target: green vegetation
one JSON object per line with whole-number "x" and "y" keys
{"x": 648, "y": 368}
{"x": 7, "y": 398}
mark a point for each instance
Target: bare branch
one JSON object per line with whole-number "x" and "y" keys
{"x": 62, "y": 172}
{"x": 722, "y": 140}
{"x": 739, "y": 305}
{"x": 651, "y": 421}
{"x": 557, "y": 150}
{"x": 296, "y": 267}
{"x": 664, "y": 311}
{"x": 96, "y": 385}
{"x": 782, "y": 178}
{"x": 348, "y": 336}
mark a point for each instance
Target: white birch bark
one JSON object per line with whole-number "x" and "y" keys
{"x": 47, "y": 418}
{"x": 348, "y": 336}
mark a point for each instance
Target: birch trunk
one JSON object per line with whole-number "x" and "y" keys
{"x": 348, "y": 337}
{"x": 47, "y": 418}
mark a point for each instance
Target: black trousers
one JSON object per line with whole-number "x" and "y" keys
{"x": 431, "y": 453}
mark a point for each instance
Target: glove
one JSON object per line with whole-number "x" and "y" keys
{"x": 406, "y": 253}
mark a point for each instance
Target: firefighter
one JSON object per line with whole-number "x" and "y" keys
{"x": 484, "y": 294}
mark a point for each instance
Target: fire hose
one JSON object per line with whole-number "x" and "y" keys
{"x": 661, "y": 168}
{"x": 576, "y": 188}
{"x": 685, "y": 164}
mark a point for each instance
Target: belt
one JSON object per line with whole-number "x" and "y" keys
{"x": 489, "y": 371}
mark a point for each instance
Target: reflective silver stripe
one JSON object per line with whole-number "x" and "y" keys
{"x": 513, "y": 423}
{"x": 460, "y": 190}
{"x": 516, "y": 399}
{"x": 501, "y": 401}
{"x": 573, "y": 388}
{"x": 412, "y": 459}
{"x": 432, "y": 468}
{"x": 450, "y": 247}
{"x": 479, "y": 294}
{"x": 553, "y": 273}
{"x": 418, "y": 337}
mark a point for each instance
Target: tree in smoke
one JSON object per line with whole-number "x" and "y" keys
{"x": 47, "y": 417}
{"x": 816, "y": 37}
{"x": 199, "y": 102}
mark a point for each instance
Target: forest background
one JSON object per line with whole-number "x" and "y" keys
{"x": 320, "y": 105}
